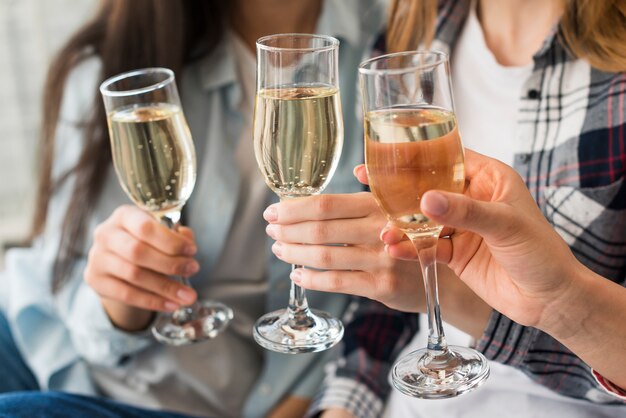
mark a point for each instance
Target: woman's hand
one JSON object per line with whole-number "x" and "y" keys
{"x": 129, "y": 264}
{"x": 499, "y": 243}
{"x": 357, "y": 264}
{"x": 508, "y": 253}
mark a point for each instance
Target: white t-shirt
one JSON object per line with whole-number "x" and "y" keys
{"x": 487, "y": 96}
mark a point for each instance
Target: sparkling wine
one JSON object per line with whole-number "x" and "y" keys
{"x": 408, "y": 151}
{"x": 153, "y": 155}
{"x": 298, "y": 135}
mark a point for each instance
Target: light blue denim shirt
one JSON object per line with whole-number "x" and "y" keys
{"x": 65, "y": 338}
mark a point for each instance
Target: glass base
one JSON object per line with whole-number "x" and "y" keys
{"x": 458, "y": 371}
{"x": 318, "y": 332}
{"x": 200, "y": 322}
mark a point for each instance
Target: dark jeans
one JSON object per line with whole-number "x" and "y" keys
{"x": 26, "y": 401}
{"x": 15, "y": 374}
{"x": 65, "y": 405}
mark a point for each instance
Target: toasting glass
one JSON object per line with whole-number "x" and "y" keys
{"x": 412, "y": 145}
{"x": 298, "y": 136}
{"x": 155, "y": 162}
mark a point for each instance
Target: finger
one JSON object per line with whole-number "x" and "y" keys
{"x": 373, "y": 286}
{"x": 187, "y": 233}
{"x": 357, "y": 283}
{"x": 403, "y": 250}
{"x": 345, "y": 231}
{"x": 446, "y": 231}
{"x": 327, "y": 257}
{"x": 158, "y": 284}
{"x": 137, "y": 252}
{"x": 391, "y": 235}
{"x": 144, "y": 227}
{"x": 444, "y": 250}
{"x": 361, "y": 174}
{"x": 321, "y": 207}
{"x": 474, "y": 163}
{"x": 119, "y": 290}
{"x": 459, "y": 211}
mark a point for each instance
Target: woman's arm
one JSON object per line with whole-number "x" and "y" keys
{"x": 505, "y": 250}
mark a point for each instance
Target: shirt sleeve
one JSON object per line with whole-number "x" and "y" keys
{"x": 542, "y": 358}
{"x": 358, "y": 380}
{"x": 609, "y": 386}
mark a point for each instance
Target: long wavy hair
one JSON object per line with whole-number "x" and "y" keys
{"x": 592, "y": 30}
{"x": 125, "y": 35}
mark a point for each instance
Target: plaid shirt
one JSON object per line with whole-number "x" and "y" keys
{"x": 571, "y": 150}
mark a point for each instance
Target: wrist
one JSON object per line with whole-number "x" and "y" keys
{"x": 565, "y": 315}
{"x": 589, "y": 322}
{"x": 127, "y": 318}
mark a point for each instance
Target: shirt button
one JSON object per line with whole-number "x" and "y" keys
{"x": 523, "y": 158}
{"x": 533, "y": 94}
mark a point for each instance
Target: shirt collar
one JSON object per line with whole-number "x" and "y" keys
{"x": 339, "y": 18}
{"x": 219, "y": 68}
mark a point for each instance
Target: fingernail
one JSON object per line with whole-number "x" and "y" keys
{"x": 189, "y": 249}
{"x": 271, "y": 230}
{"x": 435, "y": 203}
{"x": 270, "y": 214}
{"x": 170, "y": 306}
{"x": 386, "y": 248}
{"x": 296, "y": 276}
{"x": 383, "y": 233}
{"x": 186, "y": 295}
{"x": 191, "y": 268}
{"x": 276, "y": 248}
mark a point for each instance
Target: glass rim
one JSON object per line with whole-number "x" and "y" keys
{"x": 104, "y": 87}
{"x": 363, "y": 67}
{"x": 333, "y": 43}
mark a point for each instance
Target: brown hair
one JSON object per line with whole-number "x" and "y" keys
{"x": 125, "y": 35}
{"x": 592, "y": 30}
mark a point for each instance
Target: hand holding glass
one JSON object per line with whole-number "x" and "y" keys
{"x": 298, "y": 136}
{"x": 412, "y": 145}
{"x": 155, "y": 162}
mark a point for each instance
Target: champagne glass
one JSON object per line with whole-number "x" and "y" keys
{"x": 412, "y": 145}
{"x": 298, "y": 136}
{"x": 155, "y": 162}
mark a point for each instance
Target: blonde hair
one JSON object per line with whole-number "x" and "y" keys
{"x": 593, "y": 30}
{"x": 411, "y": 23}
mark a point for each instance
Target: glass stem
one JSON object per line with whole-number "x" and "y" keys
{"x": 172, "y": 221}
{"x": 426, "y": 246}
{"x": 300, "y": 317}
{"x": 298, "y": 308}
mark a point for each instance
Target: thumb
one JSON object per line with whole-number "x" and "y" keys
{"x": 459, "y": 211}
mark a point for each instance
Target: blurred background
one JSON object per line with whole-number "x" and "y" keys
{"x": 31, "y": 32}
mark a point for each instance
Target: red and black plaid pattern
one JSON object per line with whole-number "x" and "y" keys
{"x": 571, "y": 150}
